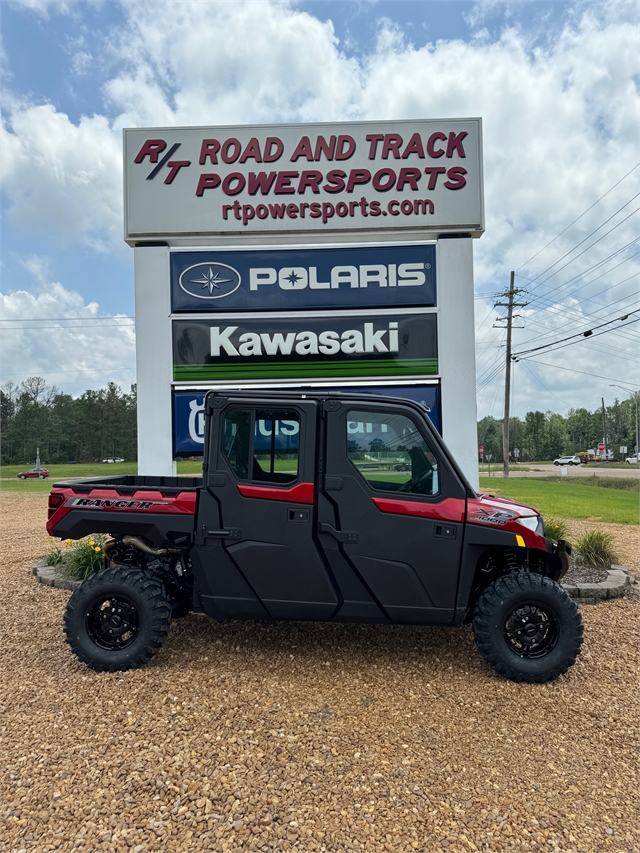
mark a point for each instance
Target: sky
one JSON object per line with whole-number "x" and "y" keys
{"x": 556, "y": 84}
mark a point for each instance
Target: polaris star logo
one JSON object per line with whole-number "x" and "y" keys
{"x": 328, "y": 342}
{"x": 211, "y": 280}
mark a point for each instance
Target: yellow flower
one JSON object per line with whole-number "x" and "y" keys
{"x": 96, "y": 550}
{"x": 92, "y": 542}
{"x": 67, "y": 541}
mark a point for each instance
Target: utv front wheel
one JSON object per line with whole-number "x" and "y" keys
{"x": 117, "y": 619}
{"x": 527, "y": 628}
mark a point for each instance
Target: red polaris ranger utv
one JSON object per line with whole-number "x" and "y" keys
{"x": 335, "y": 507}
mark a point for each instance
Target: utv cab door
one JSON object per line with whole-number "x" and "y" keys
{"x": 399, "y": 509}
{"x": 258, "y": 553}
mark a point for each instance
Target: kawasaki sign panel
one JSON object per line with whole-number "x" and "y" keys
{"x": 309, "y": 347}
{"x": 313, "y": 178}
{"x": 290, "y": 279}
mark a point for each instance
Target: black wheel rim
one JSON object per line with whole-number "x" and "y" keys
{"x": 112, "y": 622}
{"x": 531, "y": 631}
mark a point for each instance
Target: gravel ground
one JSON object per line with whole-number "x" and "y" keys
{"x": 308, "y": 737}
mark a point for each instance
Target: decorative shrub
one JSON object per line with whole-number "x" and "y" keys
{"x": 555, "y": 529}
{"x": 55, "y": 556}
{"x": 595, "y": 549}
{"x": 85, "y": 557}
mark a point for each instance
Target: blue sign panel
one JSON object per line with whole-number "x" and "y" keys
{"x": 297, "y": 279}
{"x": 188, "y": 416}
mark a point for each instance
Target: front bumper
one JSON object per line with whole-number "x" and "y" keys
{"x": 560, "y": 559}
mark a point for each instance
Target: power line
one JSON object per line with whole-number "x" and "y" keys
{"x": 595, "y": 242}
{"x": 579, "y": 217}
{"x": 604, "y": 332}
{"x": 75, "y": 372}
{"x": 69, "y": 319}
{"x": 588, "y": 333}
{"x": 584, "y": 239}
{"x": 604, "y": 348}
{"x": 592, "y": 267}
{"x": 529, "y": 320}
{"x": 68, "y": 328}
{"x": 540, "y": 382}
{"x": 584, "y": 373}
{"x": 563, "y": 292}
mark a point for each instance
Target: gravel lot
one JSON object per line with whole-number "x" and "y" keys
{"x": 308, "y": 737}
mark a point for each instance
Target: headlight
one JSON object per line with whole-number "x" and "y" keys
{"x": 533, "y": 522}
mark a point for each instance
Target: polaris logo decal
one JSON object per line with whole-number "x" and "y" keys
{"x": 347, "y": 275}
{"x": 108, "y": 503}
{"x": 329, "y": 342}
{"x": 210, "y": 280}
{"x": 297, "y": 279}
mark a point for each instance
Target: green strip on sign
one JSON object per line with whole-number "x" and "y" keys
{"x": 316, "y": 369}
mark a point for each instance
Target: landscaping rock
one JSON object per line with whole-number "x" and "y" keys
{"x": 54, "y": 576}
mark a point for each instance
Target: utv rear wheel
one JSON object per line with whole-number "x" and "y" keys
{"x": 527, "y": 628}
{"x": 117, "y": 619}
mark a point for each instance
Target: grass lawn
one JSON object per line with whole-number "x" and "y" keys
{"x": 77, "y": 472}
{"x": 568, "y": 499}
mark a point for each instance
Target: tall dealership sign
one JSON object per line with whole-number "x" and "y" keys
{"x": 306, "y": 255}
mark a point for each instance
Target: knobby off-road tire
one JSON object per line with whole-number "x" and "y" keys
{"x": 527, "y": 628}
{"x": 117, "y": 619}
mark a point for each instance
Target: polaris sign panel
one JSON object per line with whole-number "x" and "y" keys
{"x": 188, "y": 417}
{"x": 313, "y": 178}
{"x": 305, "y": 347}
{"x": 296, "y": 279}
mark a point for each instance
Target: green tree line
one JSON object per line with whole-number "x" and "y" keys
{"x": 94, "y": 426}
{"x": 102, "y": 424}
{"x": 547, "y": 435}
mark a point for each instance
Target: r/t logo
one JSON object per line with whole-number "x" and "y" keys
{"x": 152, "y": 149}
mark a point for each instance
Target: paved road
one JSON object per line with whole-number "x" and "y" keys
{"x": 632, "y": 471}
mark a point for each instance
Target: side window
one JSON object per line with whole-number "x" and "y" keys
{"x": 236, "y": 441}
{"x": 276, "y": 446}
{"x": 262, "y": 445}
{"x": 389, "y": 452}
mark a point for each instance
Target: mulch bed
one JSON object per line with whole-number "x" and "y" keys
{"x": 283, "y": 737}
{"x": 584, "y": 574}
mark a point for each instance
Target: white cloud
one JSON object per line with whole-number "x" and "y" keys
{"x": 52, "y": 332}
{"x": 560, "y": 128}
{"x": 48, "y": 7}
{"x": 61, "y": 179}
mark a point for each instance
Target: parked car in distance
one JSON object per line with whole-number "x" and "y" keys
{"x": 114, "y": 459}
{"x": 632, "y": 460}
{"x": 567, "y": 460}
{"x": 34, "y": 473}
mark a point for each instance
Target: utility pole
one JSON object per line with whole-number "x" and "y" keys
{"x": 604, "y": 432}
{"x": 509, "y": 305}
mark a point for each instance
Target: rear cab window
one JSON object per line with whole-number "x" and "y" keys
{"x": 262, "y": 445}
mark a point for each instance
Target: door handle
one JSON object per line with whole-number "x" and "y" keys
{"x": 230, "y": 533}
{"x": 348, "y": 537}
{"x": 295, "y": 514}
